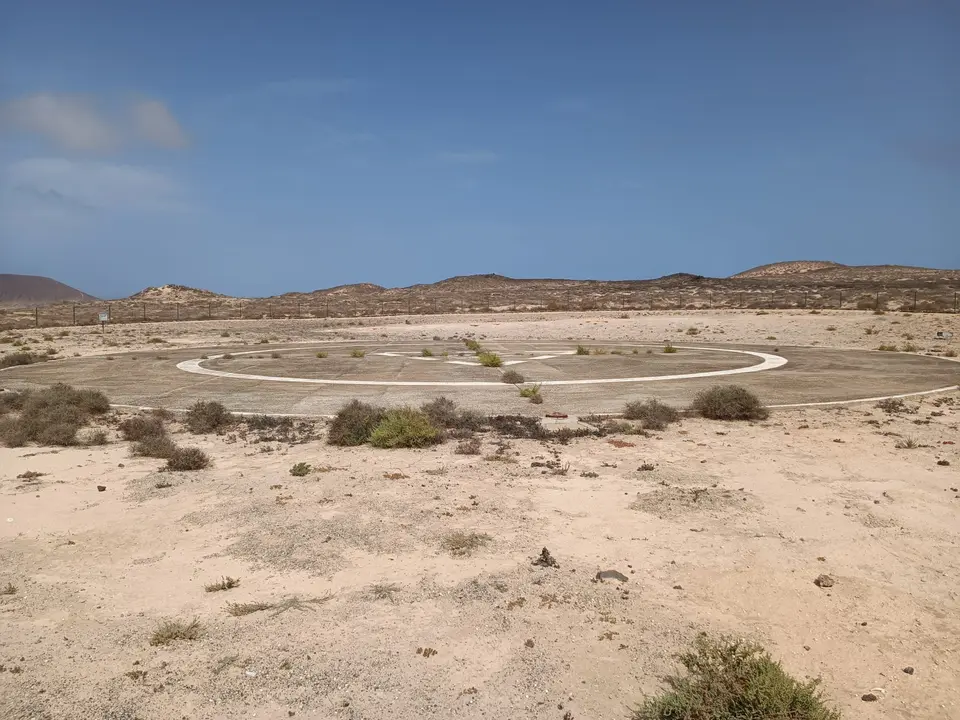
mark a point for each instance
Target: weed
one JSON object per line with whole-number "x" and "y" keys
{"x": 887, "y": 348}
{"x": 384, "y": 591}
{"x": 581, "y": 350}
{"x": 869, "y": 331}
{"x": 654, "y": 414}
{"x": 950, "y": 353}
{"x": 468, "y": 447}
{"x": 831, "y": 328}
{"x": 909, "y": 348}
{"x": 8, "y": 589}
{"x": 51, "y": 416}
{"x": 426, "y": 352}
{"x": 441, "y": 411}
{"x": 142, "y": 426}
{"x": 95, "y": 437}
{"x": 189, "y": 458}
{"x": 598, "y": 351}
{"x": 357, "y": 353}
{"x": 669, "y": 349}
{"x": 225, "y": 334}
{"x": 262, "y": 341}
{"x": 693, "y": 331}
{"x": 321, "y": 355}
{"x": 156, "y": 341}
{"x": 532, "y": 393}
{"x": 730, "y": 679}
{"x": 170, "y": 630}
{"x": 241, "y": 609}
{"x": 301, "y": 469}
{"x": 207, "y": 416}
{"x": 891, "y": 406}
{"x": 275, "y": 355}
{"x": 226, "y": 356}
{"x": 405, "y": 428}
{"x": 354, "y": 423}
{"x": 461, "y": 543}
{"x": 473, "y": 345}
{"x": 512, "y": 377}
{"x": 489, "y": 359}
{"x": 728, "y": 402}
{"x": 908, "y": 444}
{"x": 224, "y": 583}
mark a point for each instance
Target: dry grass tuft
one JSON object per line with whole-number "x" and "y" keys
{"x": 653, "y": 414}
{"x": 224, "y": 583}
{"x": 461, "y": 543}
{"x": 241, "y": 609}
{"x": 171, "y": 630}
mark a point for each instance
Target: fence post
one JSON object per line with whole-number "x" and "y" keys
{"x": 954, "y": 301}
{"x": 178, "y": 312}
{"x": 298, "y": 308}
{"x": 841, "y": 300}
{"x": 241, "y": 309}
{"x": 914, "y": 300}
{"x": 75, "y": 308}
{"x": 327, "y": 313}
{"x": 143, "y": 314}
{"x": 408, "y": 305}
{"x": 109, "y": 312}
{"x": 804, "y": 301}
{"x": 209, "y": 314}
{"x": 741, "y": 299}
{"x": 876, "y": 302}
{"x": 36, "y": 316}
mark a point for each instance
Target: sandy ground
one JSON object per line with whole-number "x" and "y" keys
{"x": 725, "y": 534}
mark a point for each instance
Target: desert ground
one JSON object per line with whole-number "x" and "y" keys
{"x": 403, "y": 584}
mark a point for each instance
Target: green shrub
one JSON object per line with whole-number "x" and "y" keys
{"x": 728, "y": 402}
{"x": 353, "y": 424}
{"x": 207, "y": 416}
{"x": 357, "y": 353}
{"x": 532, "y": 393}
{"x": 189, "y": 458}
{"x": 426, "y": 352}
{"x": 472, "y": 345}
{"x": 301, "y": 469}
{"x": 405, "y": 428}
{"x": 909, "y": 348}
{"x": 668, "y": 348}
{"x": 730, "y": 679}
{"x": 887, "y": 348}
{"x": 321, "y": 355}
{"x": 582, "y": 350}
{"x": 489, "y": 359}
{"x": 654, "y": 414}
{"x": 142, "y": 426}
{"x": 512, "y": 377}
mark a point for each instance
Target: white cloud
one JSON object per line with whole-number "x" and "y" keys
{"x": 77, "y": 124}
{"x": 476, "y": 157}
{"x": 72, "y": 122}
{"x": 155, "y": 123}
{"x": 93, "y": 185}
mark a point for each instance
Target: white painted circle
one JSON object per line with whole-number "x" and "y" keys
{"x": 768, "y": 362}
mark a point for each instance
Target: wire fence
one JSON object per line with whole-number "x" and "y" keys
{"x": 936, "y": 300}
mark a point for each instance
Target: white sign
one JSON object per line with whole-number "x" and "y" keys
{"x": 944, "y": 335}
{"x": 104, "y": 317}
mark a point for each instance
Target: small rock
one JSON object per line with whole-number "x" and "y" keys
{"x": 869, "y": 697}
{"x": 678, "y": 587}
{"x": 908, "y": 670}
{"x": 529, "y": 643}
{"x": 101, "y": 488}
{"x": 824, "y": 581}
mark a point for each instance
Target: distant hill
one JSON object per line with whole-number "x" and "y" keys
{"x": 793, "y": 267}
{"x": 30, "y": 290}
{"x": 822, "y": 271}
{"x": 175, "y": 293}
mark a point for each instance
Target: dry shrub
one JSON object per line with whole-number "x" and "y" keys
{"x": 405, "y": 428}
{"x": 728, "y": 402}
{"x": 206, "y": 417}
{"x": 20, "y": 358}
{"x": 51, "y": 416}
{"x": 468, "y": 447}
{"x": 170, "y": 630}
{"x": 730, "y": 679}
{"x": 653, "y": 414}
{"x": 461, "y": 543}
{"x": 142, "y": 426}
{"x": 354, "y": 423}
{"x": 189, "y": 458}
{"x": 512, "y": 377}
{"x": 154, "y": 446}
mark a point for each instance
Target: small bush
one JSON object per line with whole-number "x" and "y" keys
{"x": 728, "y": 402}
{"x": 532, "y": 393}
{"x": 95, "y": 437}
{"x": 599, "y": 351}
{"x": 442, "y": 412}
{"x": 472, "y": 345}
{"x": 224, "y": 583}
{"x": 171, "y": 630}
{"x": 51, "y": 416}
{"x": 12, "y": 433}
{"x": 426, "y": 352}
{"x": 887, "y": 348}
{"x": 226, "y": 356}
{"x": 909, "y": 348}
{"x": 693, "y": 331}
{"x": 154, "y": 446}
{"x": 460, "y": 543}
{"x": 321, "y": 355}
{"x": 512, "y": 377}
{"x": 142, "y": 426}
{"x": 12, "y": 401}
{"x": 405, "y": 428}
{"x": 263, "y": 341}
{"x": 669, "y": 349}
{"x": 891, "y": 406}
{"x": 353, "y": 424}
{"x": 582, "y": 350}
{"x": 275, "y": 355}
{"x": 831, "y": 328}
{"x": 357, "y": 353}
{"x": 301, "y": 469}
{"x": 241, "y": 609}
{"x": 654, "y": 414}
{"x": 225, "y": 334}
{"x": 468, "y": 447}
{"x": 489, "y": 359}
{"x": 189, "y": 458}
{"x": 730, "y": 679}
{"x": 156, "y": 340}
{"x": 207, "y": 416}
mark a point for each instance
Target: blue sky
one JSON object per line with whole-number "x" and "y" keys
{"x": 256, "y": 148}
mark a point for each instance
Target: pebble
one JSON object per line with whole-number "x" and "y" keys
{"x": 908, "y": 670}
{"x": 869, "y": 697}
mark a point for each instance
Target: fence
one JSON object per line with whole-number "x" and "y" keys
{"x": 131, "y": 311}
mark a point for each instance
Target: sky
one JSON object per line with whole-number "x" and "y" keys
{"x": 256, "y": 148}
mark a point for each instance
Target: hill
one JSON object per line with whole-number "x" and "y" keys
{"x": 33, "y": 290}
{"x": 175, "y": 293}
{"x": 793, "y": 267}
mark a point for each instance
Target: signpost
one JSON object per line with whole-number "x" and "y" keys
{"x": 104, "y": 319}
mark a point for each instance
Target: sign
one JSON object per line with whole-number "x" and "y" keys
{"x": 104, "y": 317}
{"x": 943, "y": 335}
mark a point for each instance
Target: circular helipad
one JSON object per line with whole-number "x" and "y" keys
{"x": 317, "y": 378}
